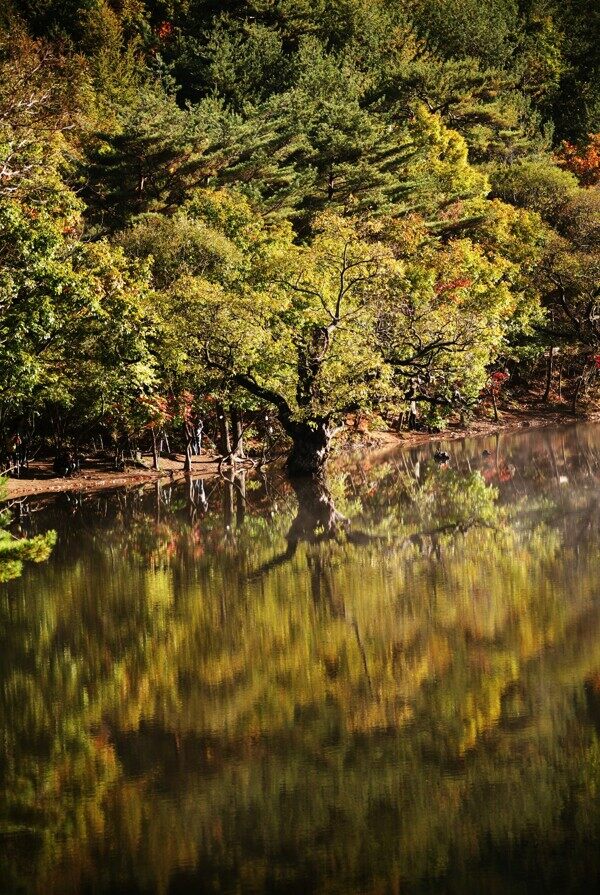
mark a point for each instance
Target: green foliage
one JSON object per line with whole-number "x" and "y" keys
{"x": 570, "y": 272}
{"x": 73, "y": 321}
{"x": 14, "y": 551}
{"x": 486, "y": 30}
{"x": 538, "y": 185}
{"x": 146, "y": 162}
{"x": 243, "y": 61}
{"x": 223, "y": 153}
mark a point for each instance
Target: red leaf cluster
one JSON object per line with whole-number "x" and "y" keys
{"x": 158, "y": 410}
{"x": 460, "y": 283}
{"x": 584, "y": 163}
{"x": 164, "y": 30}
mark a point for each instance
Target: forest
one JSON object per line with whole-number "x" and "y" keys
{"x": 271, "y": 216}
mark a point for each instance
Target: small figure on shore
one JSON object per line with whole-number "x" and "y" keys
{"x": 65, "y": 464}
{"x": 197, "y": 443}
{"x": 441, "y": 456}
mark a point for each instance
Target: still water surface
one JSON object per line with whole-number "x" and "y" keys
{"x": 201, "y": 693}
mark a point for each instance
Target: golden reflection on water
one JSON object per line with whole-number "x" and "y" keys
{"x": 392, "y": 687}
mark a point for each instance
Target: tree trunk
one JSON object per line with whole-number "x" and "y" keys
{"x": 223, "y": 430}
{"x": 155, "y": 451}
{"x": 495, "y": 405}
{"x": 198, "y": 438}
{"x": 330, "y": 185}
{"x": 237, "y": 432}
{"x": 577, "y": 391}
{"x": 549, "y": 372}
{"x": 560, "y": 381}
{"x": 189, "y": 447}
{"x": 187, "y": 466}
{"x": 310, "y": 449}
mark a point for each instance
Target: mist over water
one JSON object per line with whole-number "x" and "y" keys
{"x": 388, "y": 685}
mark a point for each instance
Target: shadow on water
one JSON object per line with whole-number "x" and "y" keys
{"x": 387, "y": 682}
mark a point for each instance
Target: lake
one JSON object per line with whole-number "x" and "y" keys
{"x": 391, "y": 686}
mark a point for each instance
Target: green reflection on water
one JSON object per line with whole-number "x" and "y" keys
{"x": 390, "y": 686}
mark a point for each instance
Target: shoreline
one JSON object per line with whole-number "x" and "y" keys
{"x": 96, "y": 477}
{"x": 512, "y": 420}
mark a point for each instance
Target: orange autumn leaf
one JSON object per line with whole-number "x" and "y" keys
{"x": 584, "y": 163}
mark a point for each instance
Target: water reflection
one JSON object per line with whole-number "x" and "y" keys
{"x": 389, "y": 685}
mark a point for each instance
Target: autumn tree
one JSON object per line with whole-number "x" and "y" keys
{"x": 583, "y": 162}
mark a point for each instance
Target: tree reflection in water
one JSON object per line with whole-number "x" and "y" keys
{"x": 386, "y": 684}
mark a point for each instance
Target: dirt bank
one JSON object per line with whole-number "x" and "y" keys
{"x": 511, "y": 419}
{"x": 97, "y": 475}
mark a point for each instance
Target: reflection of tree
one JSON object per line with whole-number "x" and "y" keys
{"x": 316, "y": 520}
{"x": 462, "y": 502}
{"x": 359, "y": 714}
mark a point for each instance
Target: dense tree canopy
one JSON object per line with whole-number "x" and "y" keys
{"x": 313, "y": 208}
